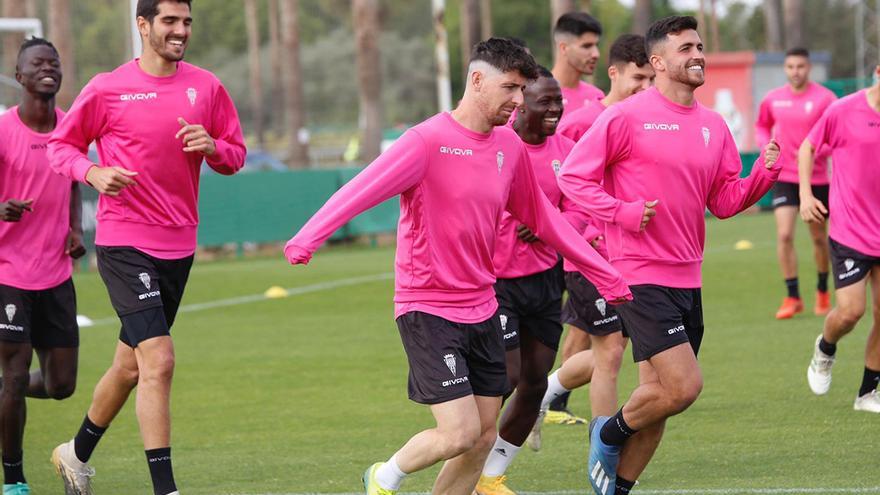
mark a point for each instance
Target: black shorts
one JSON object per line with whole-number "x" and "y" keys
{"x": 44, "y": 318}
{"x": 531, "y": 304}
{"x": 659, "y": 318}
{"x": 586, "y": 309}
{"x": 145, "y": 291}
{"x": 449, "y": 360}
{"x": 788, "y": 194}
{"x": 850, "y": 266}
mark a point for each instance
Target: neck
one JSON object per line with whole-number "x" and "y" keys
{"x": 37, "y": 113}
{"x": 470, "y": 118}
{"x": 565, "y": 74}
{"x": 799, "y": 89}
{"x": 873, "y": 95}
{"x": 676, "y": 92}
{"x": 612, "y": 97}
{"x": 528, "y": 135}
{"x": 154, "y": 65}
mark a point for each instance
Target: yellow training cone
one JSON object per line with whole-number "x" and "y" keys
{"x": 743, "y": 245}
{"x": 275, "y": 292}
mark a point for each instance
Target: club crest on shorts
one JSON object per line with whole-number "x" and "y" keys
{"x": 706, "y": 136}
{"x": 145, "y": 279}
{"x": 449, "y": 359}
{"x": 500, "y": 159}
{"x": 191, "y": 93}
{"x": 557, "y": 166}
{"x": 849, "y": 263}
{"x": 503, "y": 319}
{"x": 10, "y": 312}
{"x": 601, "y": 305}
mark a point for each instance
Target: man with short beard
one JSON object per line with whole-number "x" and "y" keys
{"x": 155, "y": 119}
{"x": 456, "y": 174}
{"x": 576, "y": 39}
{"x": 649, "y": 168}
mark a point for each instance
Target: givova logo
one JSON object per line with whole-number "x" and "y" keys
{"x": 652, "y": 126}
{"x": 448, "y": 150}
{"x": 139, "y": 96}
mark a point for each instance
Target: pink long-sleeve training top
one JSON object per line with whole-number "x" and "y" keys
{"x": 32, "y": 250}
{"x": 849, "y": 131}
{"x": 581, "y": 95}
{"x": 133, "y": 117}
{"x": 788, "y": 117}
{"x": 648, "y": 147}
{"x": 454, "y": 185}
{"x": 517, "y": 258}
{"x": 578, "y": 122}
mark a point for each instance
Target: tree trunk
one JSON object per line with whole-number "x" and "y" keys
{"x": 60, "y": 34}
{"x": 794, "y": 35}
{"x": 772, "y": 26}
{"x": 441, "y": 56}
{"x": 366, "y": 32}
{"x": 277, "y": 93}
{"x": 30, "y": 8}
{"x": 701, "y": 22}
{"x": 298, "y": 155}
{"x": 558, "y": 8}
{"x": 641, "y": 17}
{"x": 11, "y": 44}
{"x": 713, "y": 18}
{"x": 485, "y": 19}
{"x": 251, "y": 19}
{"x": 470, "y": 31}
{"x": 586, "y": 5}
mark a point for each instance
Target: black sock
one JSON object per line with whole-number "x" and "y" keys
{"x": 86, "y": 439}
{"x": 13, "y": 469}
{"x": 827, "y": 347}
{"x": 616, "y": 431}
{"x": 560, "y": 403}
{"x": 160, "y": 470}
{"x": 869, "y": 382}
{"x": 623, "y": 486}
{"x": 822, "y": 285}
{"x": 792, "y": 285}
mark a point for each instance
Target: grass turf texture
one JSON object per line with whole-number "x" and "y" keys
{"x": 301, "y": 394}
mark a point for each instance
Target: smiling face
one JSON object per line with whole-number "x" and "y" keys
{"x": 39, "y": 71}
{"x": 680, "y": 59}
{"x": 629, "y": 79}
{"x": 542, "y": 106}
{"x": 169, "y": 32}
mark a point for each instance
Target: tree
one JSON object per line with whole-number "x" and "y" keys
{"x": 251, "y": 14}
{"x": 772, "y": 25}
{"x": 793, "y": 15}
{"x": 60, "y": 34}
{"x": 641, "y": 17}
{"x": 713, "y": 20}
{"x": 12, "y": 42}
{"x": 298, "y": 155}
{"x": 470, "y": 30}
{"x": 485, "y": 19}
{"x": 275, "y": 57}
{"x": 366, "y": 32}
{"x": 558, "y": 8}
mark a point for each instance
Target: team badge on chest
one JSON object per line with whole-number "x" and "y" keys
{"x": 500, "y": 159}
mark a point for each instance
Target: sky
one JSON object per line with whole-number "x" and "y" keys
{"x": 694, "y": 4}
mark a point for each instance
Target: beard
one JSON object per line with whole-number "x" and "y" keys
{"x": 158, "y": 45}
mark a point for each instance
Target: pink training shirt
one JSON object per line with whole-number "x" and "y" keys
{"x": 648, "y": 147}
{"x": 514, "y": 257}
{"x": 454, "y": 185}
{"x": 789, "y": 116}
{"x": 850, "y": 131}
{"x": 133, "y": 117}
{"x": 579, "y": 121}
{"x": 580, "y": 96}
{"x": 32, "y": 249}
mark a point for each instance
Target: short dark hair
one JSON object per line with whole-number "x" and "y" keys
{"x": 34, "y": 41}
{"x": 149, "y": 9}
{"x": 518, "y": 41}
{"x": 662, "y": 28}
{"x": 506, "y": 56}
{"x": 798, "y": 51}
{"x": 577, "y": 23}
{"x": 628, "y": 48}
{"x": 545, "y": 72}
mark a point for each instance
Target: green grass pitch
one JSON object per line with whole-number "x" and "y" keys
{"x": 299, "y": 395}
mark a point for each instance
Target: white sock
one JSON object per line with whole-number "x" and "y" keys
{"x": 554, "y": 390}
{"x": 389, "y": 476}
{"x": 501, "y": 456}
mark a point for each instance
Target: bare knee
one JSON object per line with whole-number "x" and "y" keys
{"x": 609, "y": 361}
{"x": 486, "y": 440}
{"x": 684, "y": 394}
{"x": 61, "y": 389}
{"x": 849, "y": 315}
{"x": 160, "y": 368}
{"x": 126, "y": 375}
{"x": 461, "y": 439}
{"x": 785, "y": 238}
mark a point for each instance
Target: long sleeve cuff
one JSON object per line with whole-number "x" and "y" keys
{"x": 296, "y": 255}
{"x": 629, "y": 215}
{"x": 80, "y": 168}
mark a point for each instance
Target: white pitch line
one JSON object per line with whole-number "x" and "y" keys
{"x": 689, "y": 491}
{"x": 293, "y": 291}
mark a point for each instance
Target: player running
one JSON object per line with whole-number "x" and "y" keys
{"x": 788, "y": 113}
{"x": 576, "y": 36}
{"x": 848, "y": 130}
{"x": 155, "y": 120}
{"x": 40, "y": 226}
{"x": 585, "y": 310}
{"x": 456, "y": 174}
{"x": 649, "y": 167}
{"x": 529, "y": 285}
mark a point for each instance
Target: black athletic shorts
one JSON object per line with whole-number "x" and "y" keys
{"x": 531, "y": 304}
{"x": 449, "y": 360}
{"x": 788, "y": 194}
{"x": 659, "y": 318}
{"x": 850, "y": 266}
{"x": 44, "y": 318}
{"x": 145, "y": 291}
{"x": 586, "y": 309}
